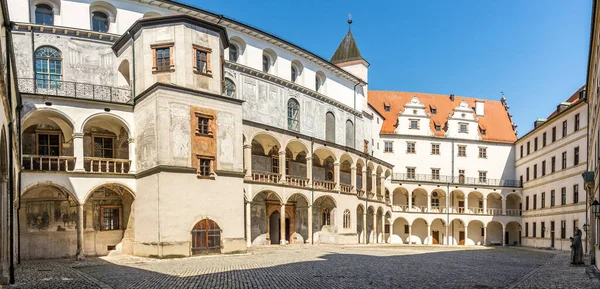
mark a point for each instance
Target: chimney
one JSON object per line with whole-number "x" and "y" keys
{"x": 479, "y": 108}
{"x": 539, "y": 122}
{"x": 562, "y": 106}
{"x": 582, "y": 94}
{"x": 452, "y": 97}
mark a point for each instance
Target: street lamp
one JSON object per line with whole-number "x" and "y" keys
{"x": 596, "y": 209}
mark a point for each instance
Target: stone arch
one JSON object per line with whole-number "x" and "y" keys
{"x": 324, "y": 218}
{"x": 476, "y": 233}
{"x": 512, "y": 235}
{"x": 438, "y": 231}
{"x": 296, "y": 208}
{"x": 60, "y": 187}
{"x": 240, "y": 45}
{"x": 49, "y": 119}
{"x": 206, "y": 237}
{"x": 400, "y": 199}
{"x": 419, "y": 231}
{"x": 125, "y": 188}
{"x": 419, "y": 196}
{"x": 476, "y": 199}
{"x": 494, "y": 203}
{"x": 457, "y": 199}
{"x": 106, "y": 8}
{"x": 297, "y": 65}
{"x": 360, "y": 225}
{"x": 400, "y": 234}
{"x": 263, "y": 204}
{"x": 513, "y": 204}
{"x": 272, "y": 58}
{"x": 438, "y": 200}
{"x": 54, "y": 4}
{"x": 320, "y": 82}
{"x": 494, "y": 233}
{"x": 457, "y": 232}
{"x": 107, "y": 116}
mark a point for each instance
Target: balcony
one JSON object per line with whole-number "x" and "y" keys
{"x": 456, "y": 180}
{"x": 107, "y": 165}
{"x": 346, "y": 189}
{"x": 324, "y": 185}
{"x": 296, "y": 181}
{"x": 265, "y": 177}
{"x": 48, "y": 163}
{"x": 75, "y": 90}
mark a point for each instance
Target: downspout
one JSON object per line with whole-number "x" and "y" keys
{"x": 11, "y": 185}
{"x": 587, "y": 164}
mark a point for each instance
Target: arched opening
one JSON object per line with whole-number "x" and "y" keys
{"x": 494, "y": 233}
{"x": 296, "y": 72}
{"x": 513, "y": 234}
{"x": 47, "y": 141}
{"x": 360, "y": 184}
{"x": 438, "y": 232}
{"x": 475, "y": 203}
{"x": 370, "y": 192}
{"x": 48, "y": 69}
{"x": 379, "y": 225}
{"x": 400, "y": 200}
{"x": 48, "y": 223}
{"x": 206, "y": 237}
{"x": 106, "y": 145}
{"x": 370, "y": 225}
{"x": 237, "y": 47}
{"x": 387, "y": 227}
{"x": 269, "y": 60}
{"x": 230, "y": 87}
{"x": 457, "y": 202}
{"x": 124, "y": 72}
{"x": 400, "y": 230}
{"x": 438, "y": 201}
{"x": 325, "y": 228}
{"x": 108, "y": 215}
{"x": 323, "y": 169}
{"x": 476, "y": 233}
{"x": 102, "y": 14}
{"x": 360, "y": 226}
{"x": 261, "y": 209}
{"x": 44, "y": 14}
{"x": 346, "y": 174}
{"x": 419, "y": 232}
{"x": 100, "y": 21}
{"x": 265, "y": 159}
{"x": 330, "y": 127}
{"x": 320, "y": 82}
{"x": 494, "y": 204}
{"x": 379, "y": 183}
{"x": 419, "y": 200}
{"x": 296, "y": 164}
{"x": 513, "y": 205}
{"x": 296, "y": 224}
{"x": 349, "y": 134}
{"x": 457, "y": 232}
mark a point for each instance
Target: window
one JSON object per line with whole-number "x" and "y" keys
{"x": 229, "y": 87}
{"x": 435, "y": 149}
{"x": 535, "y": 144}
{"x": 576, "y": 126}
{"x": 564, "y": 160}
{"x": 483, "y": 131}
{"x": 406, "y": 229}
{"x": 202, "y": 60}
{"x": 544, "y": 139}
{"x": 319, "y": 82}
{"x": 410, "y": 148}
{"x": 388, "y": 147}
{"x": 234, "y": 53}
{"x": 349, "y": 134}
{"x": 435, "y": 174}
{"x": 44, "y": 15}
{"x": 575, "y": 194}
{"x": 99, "y": 22}
{"x": 521, "y": 149}
{"x": 535, "y": 201}
{"x": 563, "y": 196}
{"x": 534, "y": 229}
{"x": 435, "y": 202}
{"x": 535, "y": 171}
{"x": 293, "y": 115}
{"x": 346, "y": 219}
{"x": 204, "y": 169}
{"x": 103, "y": 147}
{"x": 553, "y": 164}
{"x": 110, "y": 218}
{"x": 563, "y": 229}
{"x": 48, "y": 67}
{"x": 330, "y": 127}
{"x": 543, "y": 228}
{"x": 526, "y": 203}
{"x": 526, "y": 229}
{"x": 326, "y": 217}
{"x": 386, "y": 108}
{"x": 462, "y": 151}
{"x": 266, "y": 63}
{"x": 437, "y": 127}
{"x": 462, "y": 128}
{"x": 543, "y": 200}
{"x": 483, "y": 152}
{"x": 410, "y": 172}
{"x": 528, "y": 148}
{"x": 414, "y": 124}
{"x": 527, "y": 174}
{"x": 543, "y": 168}
{"x": 576, "y": 156}
{"x": 482, "y": 177}
{"x": 48, "y": 144}
{"x": 552, "y": 198}
{"x": 163, "y": 58}
{"x": 461, "y": 176}
{"x": 294, "y": 73}
{"x": 204, "y": 124}
{"x": 433, "y": 110}
{"x": 564, "y": 131}
{"x": 553, "y": 134}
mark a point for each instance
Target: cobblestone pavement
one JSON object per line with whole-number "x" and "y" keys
{"x": 318, "y": 267}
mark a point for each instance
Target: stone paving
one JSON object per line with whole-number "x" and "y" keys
{"x": 319, "y": 267}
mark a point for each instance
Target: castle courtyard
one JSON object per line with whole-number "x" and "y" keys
{"x": 319, "y": 267}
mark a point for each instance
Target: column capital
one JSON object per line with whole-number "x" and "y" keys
{"x": 131, "y": 140}
{"x": 248, "y": 146}
{"x": 308, "y": 158}
{"x": 353, "y": 167}
{"x": 374, "y": 174}
{"x": 282, "y": 153}
{"x": 77, "y": 135}
{"x": 336, "y": 163}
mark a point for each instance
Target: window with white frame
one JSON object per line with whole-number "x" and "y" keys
{"x": 414, "y": 124}
{"x": 346, "y": 219}
{"x": 388, "y": 147}
{"x": 435, "y": 174}
{"x": 483, "y": 152}
{"x": 462, "y": 151}
{"x": 435, "y": 148}
{"x": 463, "y": 127}
{"x": 410, "y": 148}
{"x": 410, "y": 172}
{"x": 482, "y": 176}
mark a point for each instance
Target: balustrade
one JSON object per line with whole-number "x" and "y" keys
{"x": 265, "y": 177}
{"x": 47, "y": 163}
{"x": 476, "y": 210}
{"x": 360, "y": 193}
{"x": 513, "y": 212}
{"x": 296, "y": 181}
{"x": 346, "y": 189}
{"x": 324, "y": 185}
{"x": 494, "y": 211}
{"x": 107, "y": 165}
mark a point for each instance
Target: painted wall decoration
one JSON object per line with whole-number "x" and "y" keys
{"x": 50, "y": 210}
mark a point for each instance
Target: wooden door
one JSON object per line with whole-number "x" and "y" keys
{"x": 436, "y": 237}
{"x": 461, "y": 237}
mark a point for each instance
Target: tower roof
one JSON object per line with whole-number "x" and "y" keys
{"x": 347, "y": 51}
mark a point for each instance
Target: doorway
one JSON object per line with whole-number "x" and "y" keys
{"x": 287, "y": 229}
{"x": 206, "y": 237}
{"x": 552, "y": 234}
{"x": 274, "y": 226}
{"x": 506, "y": 235}
{"x": 436, "y": 237}
{"x": 461, "y": 237}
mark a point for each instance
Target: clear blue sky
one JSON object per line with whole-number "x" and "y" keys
{"x": 535, "y": 51}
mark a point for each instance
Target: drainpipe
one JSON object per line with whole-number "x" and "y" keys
{"x": 587, "y": 161}
{"x": 11, "y": 186}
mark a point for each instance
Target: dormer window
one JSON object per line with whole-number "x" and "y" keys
{"x": 462, "y": 128}
{"x": 434, "y": 111}
{"x": 483, "y": 131}
{"x": 99, "y": 22}
{"x": 438, "y": 127}
{"x": 386, "y": 107}
{"x": 414, "y": 124}
{"x": 44, "y": 15}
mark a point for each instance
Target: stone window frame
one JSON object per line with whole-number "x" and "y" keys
{"x": 48, "y": 132}
{"x": 410, "y": 124}
{"x": 411, "y": 172}
{"x": 411, "y": 149}
{"x": 202, "y": 49}
{"x": 155, "y": 47}
{"x": 435, "y": 174}
{"x": 211, "y": 174}
{"x": 464, "y": 151}
{"x": 482, "y": 152}
{"x": 483, "y": 176}
{"x": 435, "y": 149}
{"x": 347, "y": 219}
{"x": 120, "y": 212}
{"x": 388, "y": 146}
{"x": 460, "y": 126}
{"x": 210, "y": 118}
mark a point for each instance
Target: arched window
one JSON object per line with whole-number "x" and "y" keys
{"x": 294, "y": 73}
{"x": 346, "y": 219}
{"x": 44, "y": 15}
{"x": 48, "y": 67}
{"x": 233, "y": 53}
{"x": 293, "y": 115}
{"x": 330, "y": 127}
{"x": 317, "y": 83}
{"x": 266, "y": 63}
{"x": 229, "y": 87}
{"x": 326, "y": 217}
{"x": 99, "y": 22}
{"x": 206, "y": 237}
{"x": 349, "y": 134}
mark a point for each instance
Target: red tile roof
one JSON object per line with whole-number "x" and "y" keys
{"x": 574, "y": 99}
{"x": 495, "y": 120}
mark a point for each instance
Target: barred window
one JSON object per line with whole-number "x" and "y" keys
{"x": 346, "y": 219}
{"x": 110, "y": 218}
{"x": 204, "y": 167}
{"x": 293, "y": 115}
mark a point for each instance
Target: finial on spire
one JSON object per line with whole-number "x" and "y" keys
{"x": 349, "y": 21}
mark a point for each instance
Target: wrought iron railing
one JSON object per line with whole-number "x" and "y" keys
{"x": 456, "y": 180}
{"x": 75, "y": 90}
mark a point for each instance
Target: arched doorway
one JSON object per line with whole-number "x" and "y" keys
{"x": 360, "y": 226}
{"x": 206, "y": 237}
{"x": 275, "y": 228}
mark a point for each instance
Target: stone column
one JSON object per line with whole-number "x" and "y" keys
{"x": 484, "y": 235}
{"x": 428, "y": 202}
{"x": 429, "y": 235}
{"x": 409, "y": 234}
{"x": 409, "y": 195}
{"x": 391, "y": 231}
{"x": 382, "y": 188}
{"x": 310, "y": 225}
{"x": 248, "y": 225}
{"x": 364, "y": 180}
{"x": 382, "y": 228}
{"x": 80, "y": 253}
{"x": 466, "y": 204}
{"x": 466, "y": 234}
{"x": 353, "y": 179}
{"x": 282, "y": 166}
{"x": 365, "y": 231}
{"x": 248, "y": 161}
{"x": 309, "y": 170}
{"x": 503, "y": 205}
{"x": 336, "y": 175}
{"x": 374, "y": 239}
{"x": 132, "y": 156}
{"x": 485, "y": 212}
{"x": 503, "y": 232}
{"x": 78, "y": 151}
{"x": 282, "y": 225}
{"x": 374, "y": 184}
{"x": 447, "y": 234}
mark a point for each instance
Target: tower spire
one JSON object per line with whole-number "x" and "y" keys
{"x": 349, "y": 22}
